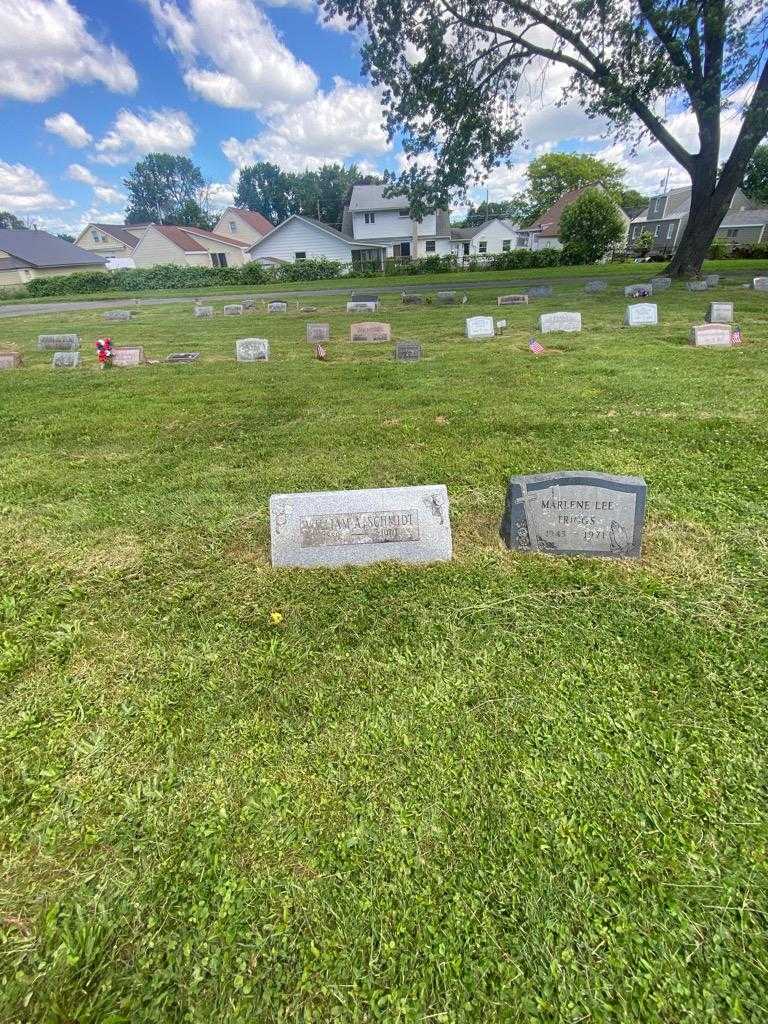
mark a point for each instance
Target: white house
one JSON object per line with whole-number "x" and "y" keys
{"x": 247, "y": 225}
{"x": 386, "y": 221}
{"x": 110, "y": 240}
{"x": 487, "y": 239}
{"x": 188, "y": 247}
{"x": 303, "y": 238}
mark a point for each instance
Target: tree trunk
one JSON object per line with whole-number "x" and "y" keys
{"x": 703, "y": 221}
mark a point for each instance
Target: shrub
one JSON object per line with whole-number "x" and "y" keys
{"x": 644, "y": 242}
{"x": 308, "y": 270}
{"x": 83, "y": 283}
{"x": 718, "y": 250}
{"x": 592, "y": 226}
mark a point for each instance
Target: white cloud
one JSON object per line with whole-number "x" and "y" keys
{"x": 104, "y": 192}
{"x": 340, "y": 125}
{"x": 45, "y": 45}
{"x": 107, "y": 194}
{"x": 23, "y": 190}
{"x": 76, "y": 172}
{"x": 232, "y": 55}
{"x": 220, "y": 195}
{"x": 134, "y": 135}
{"x": 69, "y": 129}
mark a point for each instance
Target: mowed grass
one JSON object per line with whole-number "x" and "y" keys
{"x": 505, "y": 789}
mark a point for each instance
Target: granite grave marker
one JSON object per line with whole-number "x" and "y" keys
{"x": 512, "y": 300}
{"x": 696, "y": 286}
{"x": 550, "y": 322}
{"x": 634, "y": 290}
{"x": 413, "y": 299}
{"x": 10, "y": 360}
{"x": 711, "y": 335}
{"x": 661, "y": 284}
{"x": 65, "y": 360}
{"x": 251, "y": 350}
{"x": 407, "y": 351}
{"x": 204, "y": 311}
{"x": 58, "y": 342}
{"x": 127, "y": 355}
{"x": 318, "y": 332}
{"x": 118, "y": 315}
{"x": 233, "y": 309}
{"x": 277, "y": 307}
{"x": 641, "y": 314}
{"x": 446, "y": 298}
{"x": 720, "y": 313}
{"x": 362, "y": 307}
{"x": 712, "y": 280}
{"x": 540, "y": 291}
{"x": 760, "y": 284}
{"x": 593, "y": 287}
{"x": 370, "y": 331}
{"x": 182, "y": 357}
{"x": 479, "y": 327}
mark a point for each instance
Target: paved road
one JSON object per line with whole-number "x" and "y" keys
{"x": 633, "y": 273}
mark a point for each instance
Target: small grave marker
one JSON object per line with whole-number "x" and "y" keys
{"x": 760, "y": 284}
{"x": 10, "y": 360}
{"x": 711, "y": 335}
{"x": 540, "y": 291}
{"x": 512, "y": 300}
{"x": 446, "y": 298}
{"x": 364, "y": 297}
{"x": 127, "y": 355}
{"x": 413, "y": 299}
{"x": 318, "y": 332}
{"x": 204, "y": 311}
{"x": 233, "y": 309}
{"x": 277, "y": 307}
{"x": 362, "y": 307}
{"x": 407, "y": 351}
{"x": 480, "y": 327}
{"x": 550, "y": 322}
{"x": 335, "y": 528}
{"x": 642, "y": 314}
{"x": 593, "y": 287}
{"x": 720, "y": 313}
{"x": 248, "y": 302}
{"x": 712, "y": 280}
{"x": 58, "y": 342}
{"x": 636, "y": 291}
{"x": 118, "y": 314}
{"x": 696, "y": 286}
{"x": 251, "y": 350}
{"x": 661, "y": 284}
{"x": 370, "y": 331}
{"x": 65, "y": 360}
{"x": 501, "y": 326}
{"x": 575, "y": 513}
{"x": 182, "y": 357}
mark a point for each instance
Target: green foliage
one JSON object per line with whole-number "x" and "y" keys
{"x": 10, "y": 221}
{"x": 718, "y": 249}
{"x": 487, "y": 211}
{"x": 755, "y": 184}
{"x": 552, "y": 174}
{"x": 166, "y": 189}
{"x": 591, "y": 227}
{"x": 631, "y": 199}
{"x": 65, "y": 237}
{"x": 263, "y": 187}
{"x": 644, "y": 242}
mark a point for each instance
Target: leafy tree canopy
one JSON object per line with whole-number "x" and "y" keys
{"x": 593, "y": 225}
{"x": 756, "y": 179}
{"x": 10, "y": 220}
{"x": 167, "y": 189}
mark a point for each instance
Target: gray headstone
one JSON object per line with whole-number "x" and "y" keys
{"x": 712, "y": 280}
{"x": 575, "y": 513}
{"x": 248, "y": 302}
{"x": 540, "y": 291}
{"x": 696, "y": 286}
{"x": 661, "y": 284}
{"x": 334, "y": 528}
{"x": 127, "y": 355}
{"x": 446, "y": 298}
{"x": 277, "y": 307}
{"x": 118, "y": 314}
{"x": 182, "y": 357}
{"x": 204, "y": 311}
{"x": 413, "y": 299}
{"x": 642, "y": 314}
{"x": 251, "y": 350}
{"x": 364, "y": 297}
{"x": 711, "y": 335}
{"x": 501, "y": 326}
{"x": 10, "y": 360}
{"x": 479, "y": 327}
{"x": 550, "y": 322}
{"x": 234, "y": 309}
{"x": 512, "y": 300}
{"x": 308, "y": 309}
{"x": 633, "y": 290}
{"x": 407, "y": 351}
{"x": 65, "y": 360}
{"x": 720, "y": 313}
{"x": 593, "y": 287}
{"x": 370, "y": 331}
{"x": 362, "y": 307}
{"x": 318, "y": 332}
{"x": 58, "y": 342}
{"x": 760, "y": 284}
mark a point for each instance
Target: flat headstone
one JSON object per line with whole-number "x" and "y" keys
{"x": 318, "y": 332}
{"x": 308, "y": 309}
{"x": 575, "y": 513}
{"x": 711, "y": 335}
{"x": 362, "y": 307}
{"x": 234, "y": 309}
{"x": 696, "y": 286}
{"x": 760, "y": 284}
{"x": 364, "y": 297}
{"x": 335, "y": 528}
{"x": 661, "y": 284}
{"x": 249, "y": 302}
{"x": 550, "y": 322}
{"x": 413, "y": 299}
{"x": 251, "y": 350}
{"x": 127, "y": 355}
{"x": 118, "y": 314}
{"x": 446, "y": 298}
{"x": 204, "y": 311}
{"x": 641, "y": 314}
{"x": 593, "y": 287}
{"x": 182, "y": 357}
{"x": 540, "y": 291}
{"x": 720, "y": 313}
{"x": 65, "y": 360}
{"x": 370, "y": 332}
{"x": 712, "y": 280}
{"x": 632, "y": 290}
{"x": 407, "y": 351}
{"x": 10, "y": 360}
{"x": 58, "y": 342}
{"x": 479, "y": 327}
{"x": 512, "y": 300}
{"x": 277, "y": 307}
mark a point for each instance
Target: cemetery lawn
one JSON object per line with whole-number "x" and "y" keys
{"x": 504, "y": 789}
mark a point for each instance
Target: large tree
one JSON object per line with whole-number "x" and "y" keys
{"x": 451, "y": 70}
{"x": 756, "y": 178}
{"x": 593, "y": 225}
{"x": 264, "y": 188}
{"x": 166, "y": 189}
{"x": 10, "y": 220}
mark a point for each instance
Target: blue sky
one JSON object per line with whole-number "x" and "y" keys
{"x": 91, "y": 85}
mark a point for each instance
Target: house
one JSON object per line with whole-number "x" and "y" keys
{"x": 543, "y": 232}
{"x": 667, "y": 214}
{"x": 246, "y": 225}
{"x": 27, "y": 255}
{"x": 115, "y": 241}
{"x": 304, "y": 238}
{"x": 187, "y": 247}
{"x": 385, "y": 222}
{"x": 486, "y": 239}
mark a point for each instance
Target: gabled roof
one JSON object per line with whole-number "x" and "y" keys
{"x": 127, "y": 234}
{"x": 186, "y": 238}
{"x": 39, "y": 249}
{"x": 459, "y": 234}
{"x": 548, "y": 224}
{"x": 323, "y": 227}
{"x": 371, "y": 197}
{"x": 251, "y": 217}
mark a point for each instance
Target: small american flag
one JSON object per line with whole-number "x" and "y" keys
{"x": 736, "y": 336}
{"x": 320, "y": 353}
{"x": 535, "y": 347}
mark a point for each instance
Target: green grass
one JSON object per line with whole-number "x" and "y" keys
{"x": 505, "y": 789}
{"x": 744, "y": 270}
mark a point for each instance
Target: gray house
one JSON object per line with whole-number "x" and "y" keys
{"x": 26, "y": 255}
{"x": 667, "y": 215}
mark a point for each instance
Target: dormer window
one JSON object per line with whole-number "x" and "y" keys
{"x": 233, "y": 227}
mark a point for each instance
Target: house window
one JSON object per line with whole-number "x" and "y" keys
{"x": 656, "y": 231}
{"x": 430, "y": 246}
{"x": 233, "y": 227}
{"x": 370, "y": 218}
{"x": 731, "y": 232}
{"x": 482, "y": 248}
{"x": 506, "y": 245}
{"x": 97, "y": 236}
{"x": 466, "y": 248}
{"x": 405, "y": 249}
{"x": 670, "y": 231}
{"x": 298, "y": 256}
{"x": 218, "y": 259}
{"x": 403, "y": 213}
